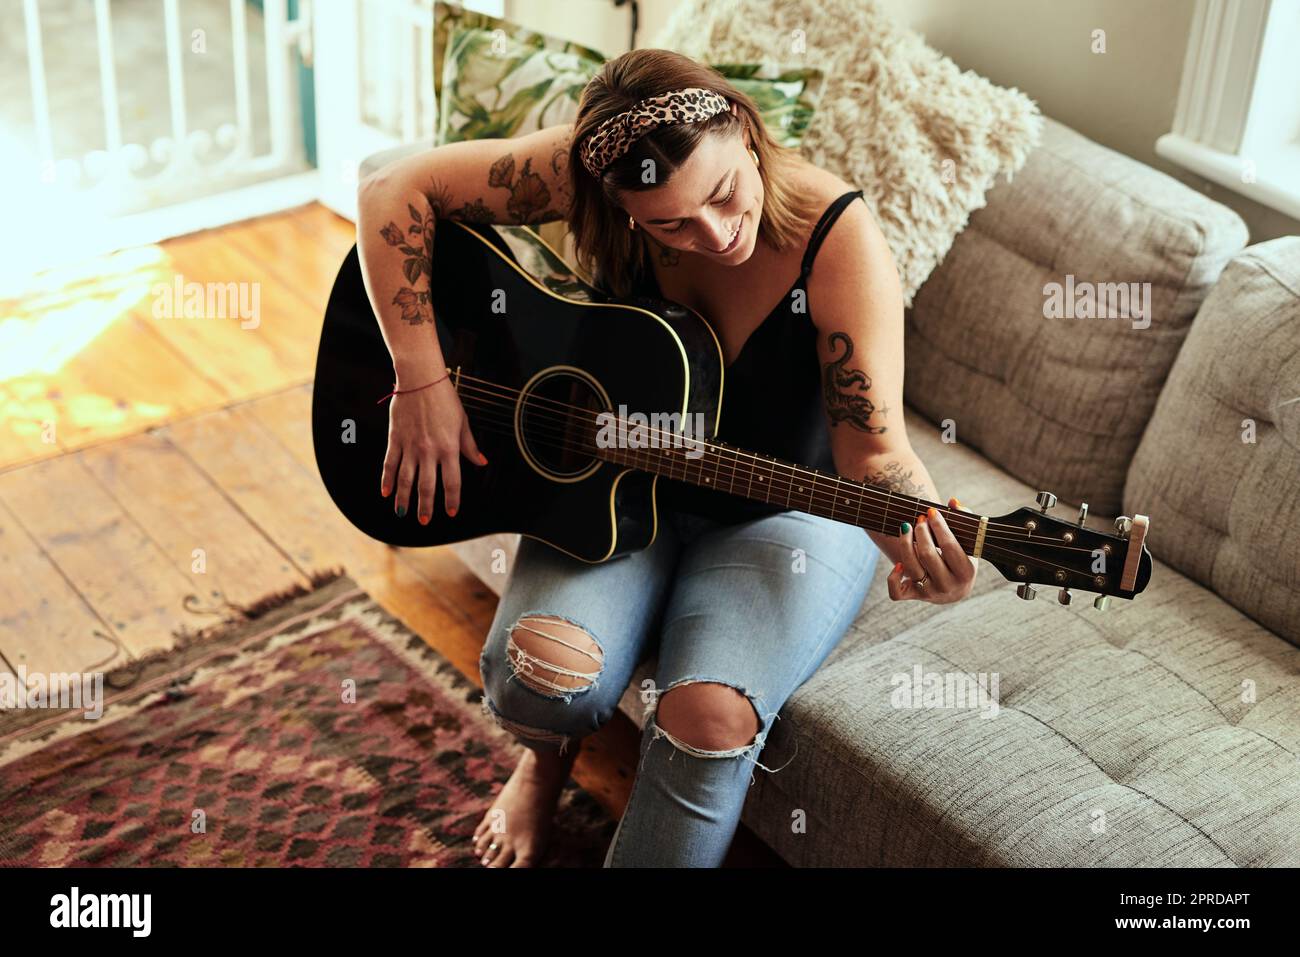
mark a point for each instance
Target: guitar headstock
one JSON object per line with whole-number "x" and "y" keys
{"x": 1031, "y": 547}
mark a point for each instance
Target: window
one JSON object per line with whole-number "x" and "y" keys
{"x": 1238, "y": 116}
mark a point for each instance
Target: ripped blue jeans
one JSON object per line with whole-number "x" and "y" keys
{"x": 756, "y": 606}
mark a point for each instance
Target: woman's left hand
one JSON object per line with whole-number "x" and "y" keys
{"x": 935, "y": 559}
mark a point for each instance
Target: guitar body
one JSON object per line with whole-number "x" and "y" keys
{"x": 517, "y": 348}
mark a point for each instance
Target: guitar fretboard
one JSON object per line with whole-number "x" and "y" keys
{"x": 734, "y": 471}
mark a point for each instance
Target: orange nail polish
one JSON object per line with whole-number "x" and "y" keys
{"x": 451, "y": 512}
{"x": 920, "y": 519}
{"x": 955, "y": 502}
{"x": 897, "y": 566}
{"x": 932, "y": 512}
{"x": 482, "y": 459}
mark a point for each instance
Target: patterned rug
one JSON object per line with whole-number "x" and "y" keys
{"x": 317, "y": 731}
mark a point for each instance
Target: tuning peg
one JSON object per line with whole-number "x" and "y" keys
{"x": 1063, "y": 596}
{"x": 1101, "y": 602}
{"x": 1026, "y": 591}
{"x": 1045, "y": 499}
{"x": 1122, "y": 526}
{"x": 1083, "y": 512}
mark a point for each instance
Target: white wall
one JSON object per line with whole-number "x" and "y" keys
{"x": 1123, "y": 98}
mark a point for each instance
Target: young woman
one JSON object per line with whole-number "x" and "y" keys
{"x": 671, "y": 186}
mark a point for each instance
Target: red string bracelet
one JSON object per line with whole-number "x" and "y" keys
{"x": 397, "y": 391}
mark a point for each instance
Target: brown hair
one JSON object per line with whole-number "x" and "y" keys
{"x": 600, "y": 233}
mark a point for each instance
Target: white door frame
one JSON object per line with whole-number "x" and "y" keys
{"x": 344, "y": 135}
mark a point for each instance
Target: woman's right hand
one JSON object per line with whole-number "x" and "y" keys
{"x": 427, "y": 431}
{"x": 398, "y": 207}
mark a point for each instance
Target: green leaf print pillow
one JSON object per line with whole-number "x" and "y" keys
{"x": 494, "y": 78}
{"x": 786, "y": 97}
{"x": 496, "y": 85}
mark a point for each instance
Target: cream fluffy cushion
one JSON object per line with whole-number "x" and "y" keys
{"x": 923, "y": 140}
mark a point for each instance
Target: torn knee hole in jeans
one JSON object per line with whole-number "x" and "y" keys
{"x": 745, "y": 751}
{"x": 548, "y": 677}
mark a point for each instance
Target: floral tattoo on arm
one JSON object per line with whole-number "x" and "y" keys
{"x": 529, "y": 201}
{"x": 417, "y": 245}
{"x": 894, "y": 478}
{"x": 529, "y": 195}
{"x": 845, "y": 389}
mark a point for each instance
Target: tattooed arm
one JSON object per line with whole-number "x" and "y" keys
{"x": 900, "y": 472}
{"x": 857, "y": 306}
{"x": 524, "y": 180}
{"x": 506, "y": 181}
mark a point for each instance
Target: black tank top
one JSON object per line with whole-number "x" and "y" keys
{"x": 772, "y": 394}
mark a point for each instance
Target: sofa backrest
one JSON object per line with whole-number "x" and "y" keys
{"x": 1061, "y": 403}
{"x": 1218, "y": 469}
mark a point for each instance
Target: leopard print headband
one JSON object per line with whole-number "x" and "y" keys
{"x": 615, "y": 136}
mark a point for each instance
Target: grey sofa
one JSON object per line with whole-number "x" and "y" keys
{"x": 1163, "y": 731}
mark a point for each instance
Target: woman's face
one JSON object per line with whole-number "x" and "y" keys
{"x": 711, "y": 206}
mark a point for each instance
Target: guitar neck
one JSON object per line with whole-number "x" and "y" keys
{"x": 761, "y": 478}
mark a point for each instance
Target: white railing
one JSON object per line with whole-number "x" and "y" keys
{"x": 125, "y": 177}
{"x": 373, "y": 74}
{"x": 143, "y": 191}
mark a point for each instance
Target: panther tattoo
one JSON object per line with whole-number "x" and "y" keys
{"x": 845, "y": 389}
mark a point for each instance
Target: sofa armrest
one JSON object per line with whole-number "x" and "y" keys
{"x": 381, "y": 159}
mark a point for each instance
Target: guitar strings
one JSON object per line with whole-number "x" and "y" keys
{"x": 956, "y": 519}
{"x": 780, "y": 487}
{"x": 832, "y": 504}
{"x": 736, "y": 454}
{"x": 505, "y": 425}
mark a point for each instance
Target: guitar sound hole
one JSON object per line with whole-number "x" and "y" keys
{"x": 557, "y": 424}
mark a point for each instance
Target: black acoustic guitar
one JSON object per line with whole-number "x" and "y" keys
{"x": 581, "y": 402}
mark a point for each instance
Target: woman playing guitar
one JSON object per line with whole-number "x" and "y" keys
{"x": 672, "y": 188}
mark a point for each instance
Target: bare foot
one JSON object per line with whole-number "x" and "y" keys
{"x": 524, "y": 808}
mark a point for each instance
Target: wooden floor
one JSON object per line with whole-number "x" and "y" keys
{"x": 133, "y": 448}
